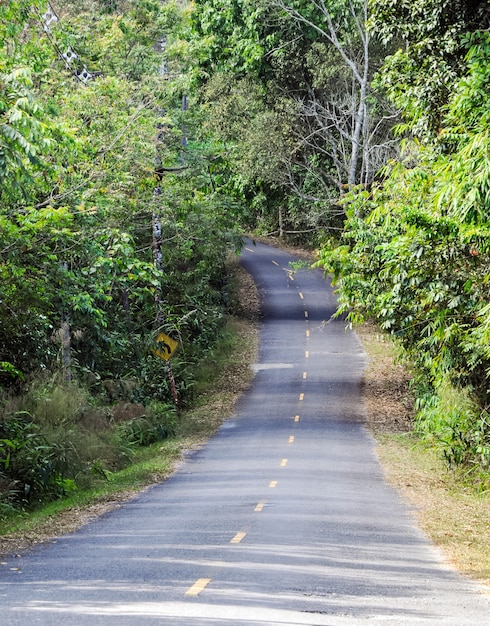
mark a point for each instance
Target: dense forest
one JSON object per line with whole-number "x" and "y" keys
{"x": 140, "y": 139}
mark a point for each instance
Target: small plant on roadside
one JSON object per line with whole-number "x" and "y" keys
{"x": 454, "y": 423}
{"x": 158, "y": 423}
{"x": 54, "y": 440}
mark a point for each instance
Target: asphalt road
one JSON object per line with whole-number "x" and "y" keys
{"x": 283, "y": 518}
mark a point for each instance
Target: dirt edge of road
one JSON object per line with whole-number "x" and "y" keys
{"x": 450, "y": 511}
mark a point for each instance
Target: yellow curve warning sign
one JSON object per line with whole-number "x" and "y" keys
{"x": 166, "y": 346}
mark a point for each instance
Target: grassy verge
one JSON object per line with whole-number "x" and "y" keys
{"x": 22, "y": 531}
{"x": 448, "y": 507}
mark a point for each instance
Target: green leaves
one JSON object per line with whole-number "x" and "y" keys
{"x": 431, "y": 38}
{"x": 8, "y": 368}
{"x": 416, "y": 259}
{"x": 77, "y": 174}
{"x": 22, "y": 134}
{"x": 231, "y": 34}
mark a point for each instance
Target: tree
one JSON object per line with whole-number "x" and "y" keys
{"x": 231, "y": 36}
{"x": 416, "y": 260}
{"x": 329, "y": 129}
{"x": 353, "y": 51}
{"x": 79, "y": 171}
{"x": 429, "y": 59}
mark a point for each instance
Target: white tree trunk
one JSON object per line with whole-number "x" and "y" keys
{"x": 65, "y": 337}
{"x": 342, "y": 125}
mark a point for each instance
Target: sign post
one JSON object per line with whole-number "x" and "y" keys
{"x": 166, "y": 346}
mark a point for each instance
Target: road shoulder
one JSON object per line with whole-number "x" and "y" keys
{"x": 452, "y": 513}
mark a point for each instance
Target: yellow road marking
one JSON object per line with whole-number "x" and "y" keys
{"x": 273, "y": 484}
{"x": 284, "y": 462}
{"x": 198, "y": 586}
{"x": 296, "y": 418}
{"x": 305, "y": 374}
{"x": 259, "y": 507}
{"x": 238, "y": 537}
{"x": 306, "y": 313}
{"x": 307, "y": 333}
{"x": 301, "y": 396}
{"x": 307, "y": 354}
{"x": 276, "y": 263}
{"x": 301, "y": 295}
{"x": 291, "y": 439}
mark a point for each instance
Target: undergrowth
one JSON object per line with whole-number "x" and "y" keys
{"x": 454, "y": 423}
{"x": 54, "y": 439}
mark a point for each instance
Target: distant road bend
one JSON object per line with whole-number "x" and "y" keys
{"x": 283, "y": 518}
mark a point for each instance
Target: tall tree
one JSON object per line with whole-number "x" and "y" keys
{"x": 415, "y": 254}
{"x": 429, "y": 54}
{"x": 329, "y": 129}
{"x": 84, "y": 106}
{"x": 343, "y": 28}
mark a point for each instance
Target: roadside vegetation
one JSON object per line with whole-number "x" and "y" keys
{"x": 361, "y": 129}
{"x": 113, "y": 234}
{"x": 139, "y": 139}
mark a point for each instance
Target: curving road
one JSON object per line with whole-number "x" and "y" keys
{"x": 283, "y": 518}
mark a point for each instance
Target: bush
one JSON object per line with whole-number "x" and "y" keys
{"x": 54, "y": 441}
{"x": 456, "y": 425}
{"x": 35, "y": 468}
{"x": 158, "y": 423}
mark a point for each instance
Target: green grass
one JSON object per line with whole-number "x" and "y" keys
{"x": 150, "y": 465}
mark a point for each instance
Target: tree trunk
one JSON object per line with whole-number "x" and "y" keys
{"x": 65, "y": 351}
{"x": 360, "y": 117}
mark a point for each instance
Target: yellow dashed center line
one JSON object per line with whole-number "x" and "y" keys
{"x": 273, "y": 484}
{"x": 259, "y": 507}
{"x": 296, "y": 418}
{"x": 301, "y": 397}
{"x": 301, "y": 295}
{"x": 198, "y": 586}
{"x": 307, "y": 354}
{"x": 307, "y": 333}
{"x": 284, "y": 462}
{"x": 305, "y": 375}
{"x": 291, "y": 439}
{"x": 238, "y": 537}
